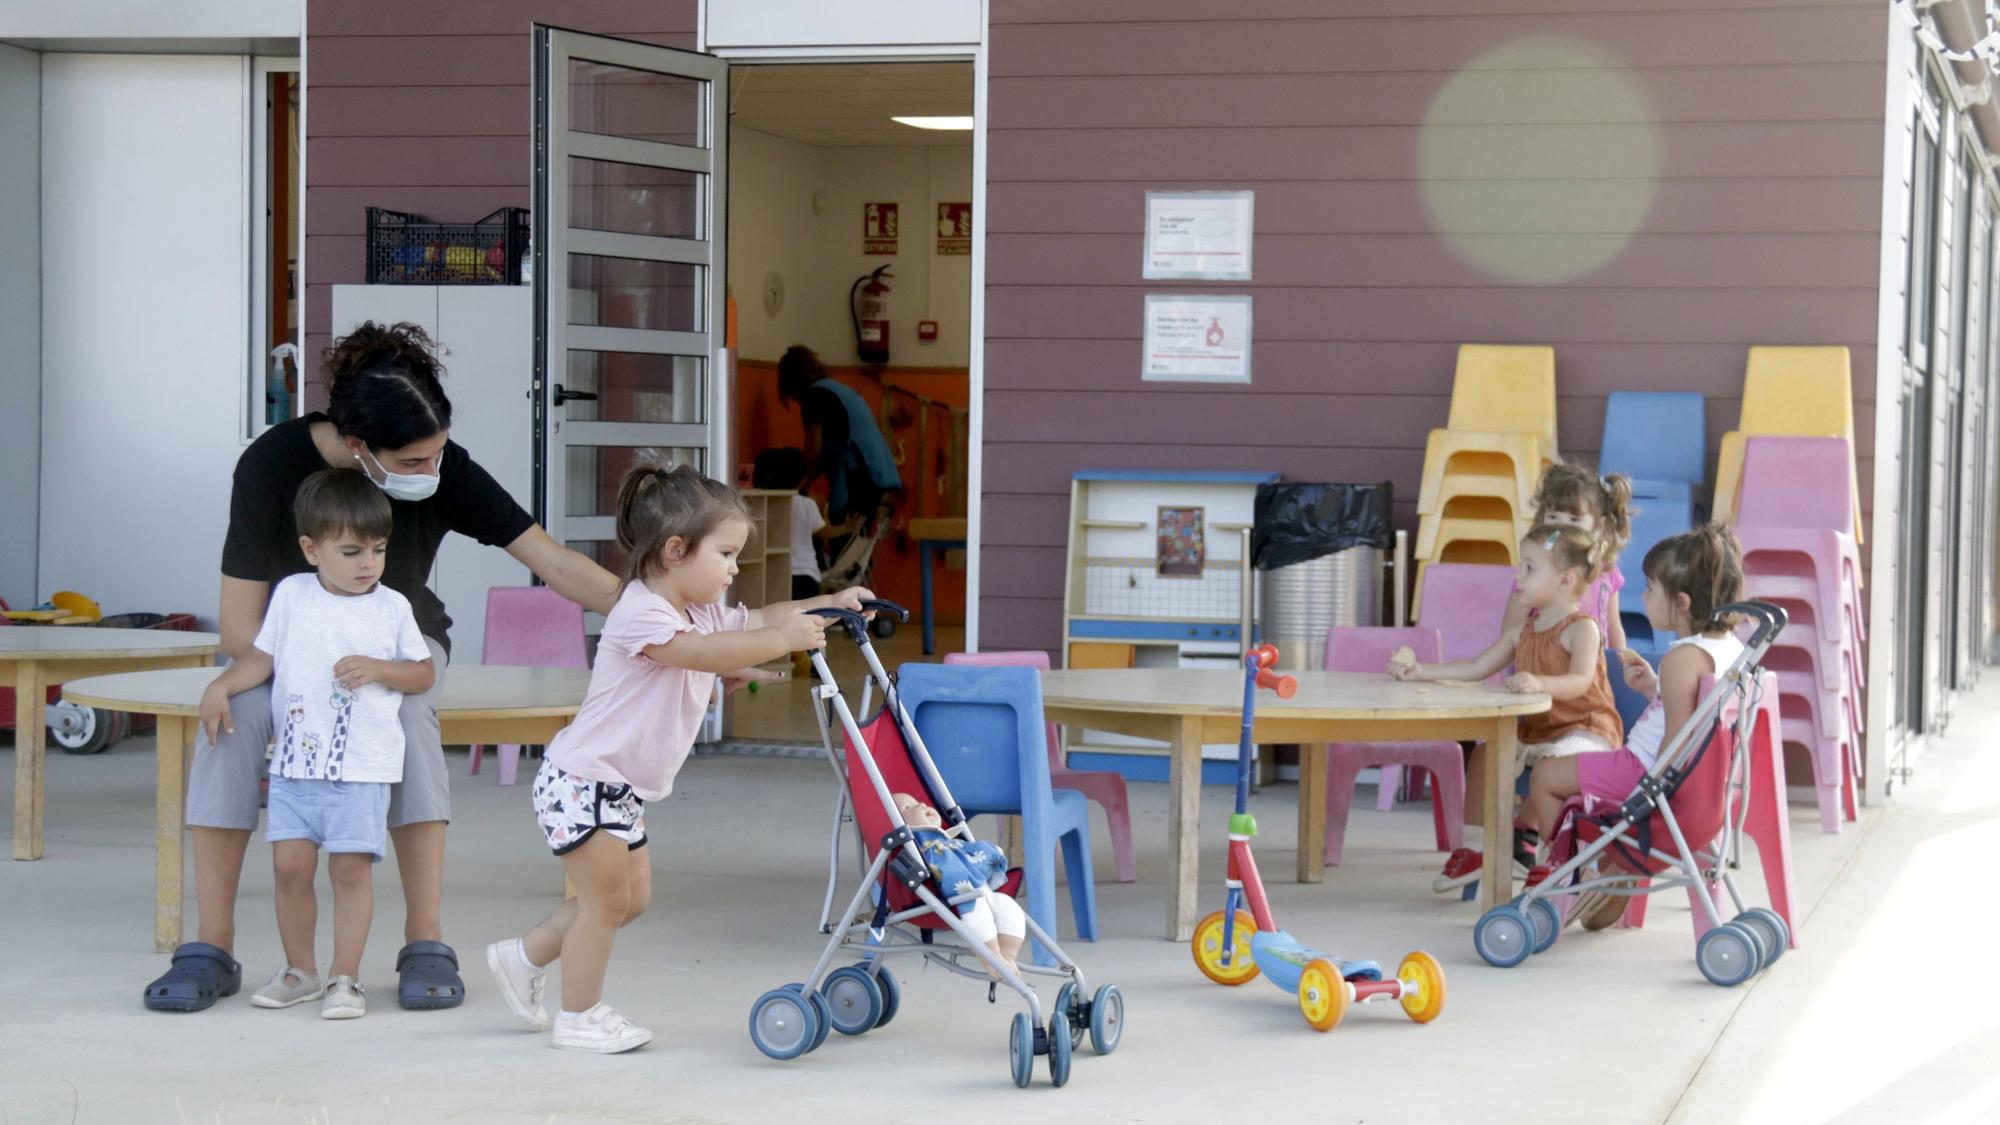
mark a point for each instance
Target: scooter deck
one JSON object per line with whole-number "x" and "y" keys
{"x": 1284, "y": 960}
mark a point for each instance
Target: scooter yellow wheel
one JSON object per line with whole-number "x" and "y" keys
{"x": 1423, "y": 982}
{"x": 1207, "y": 946}
{"x": 1323, "y": 994}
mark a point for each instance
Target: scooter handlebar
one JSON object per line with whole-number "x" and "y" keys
{"x": 1285, "y": 686}
{"x": 1263, "y": 656}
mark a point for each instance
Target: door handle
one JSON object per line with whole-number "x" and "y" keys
{"x": 563, "y": 395}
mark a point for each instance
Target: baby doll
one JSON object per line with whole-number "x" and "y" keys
{"x": 964, "y": 866}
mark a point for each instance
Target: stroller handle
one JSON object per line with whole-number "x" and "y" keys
{"x": 1771, "y": 619}
{"x": 855, "y": 624}
{"x": 883, "y": 605}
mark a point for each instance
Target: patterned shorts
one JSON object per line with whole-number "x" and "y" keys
{"x": 570, "y": 809}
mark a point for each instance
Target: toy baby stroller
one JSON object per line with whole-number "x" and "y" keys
{"x": 898, "y": 909}
{"x": 1688, "y": 794}
{"x": 854, "y": 562}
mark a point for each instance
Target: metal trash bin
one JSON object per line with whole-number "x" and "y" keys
{"x": 1320, "y": 550}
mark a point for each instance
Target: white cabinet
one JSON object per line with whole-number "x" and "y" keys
{"x": 485, "y": 337}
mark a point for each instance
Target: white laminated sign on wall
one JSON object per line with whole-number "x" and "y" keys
{"x": 1197, "y": 339}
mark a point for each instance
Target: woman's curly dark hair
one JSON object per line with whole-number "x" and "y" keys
{"x": 382, "y": 386}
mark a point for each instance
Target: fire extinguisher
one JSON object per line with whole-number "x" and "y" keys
{"x": 868, "y": 303}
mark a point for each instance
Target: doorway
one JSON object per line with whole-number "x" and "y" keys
{"x": 838, "y": 171}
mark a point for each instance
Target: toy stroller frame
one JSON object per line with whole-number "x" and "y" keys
{"x": 1729, "y": 953}
{"x": 854, "y": 999}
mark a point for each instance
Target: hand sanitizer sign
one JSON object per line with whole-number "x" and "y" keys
{"x": 1196, "y": 339}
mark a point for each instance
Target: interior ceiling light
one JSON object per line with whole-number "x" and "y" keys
{"x": 960, "y": 123}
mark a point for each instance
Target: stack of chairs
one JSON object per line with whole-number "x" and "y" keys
{"x": 1660, "y": 441}
{"x": 1793, "y": 512}
{"x": 1790, "y": 392}
{"x": 1480, "y": 470}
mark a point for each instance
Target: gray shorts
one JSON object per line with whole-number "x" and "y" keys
{"x": 223, "y": 781}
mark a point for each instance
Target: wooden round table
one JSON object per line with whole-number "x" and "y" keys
{"x": 1187, "y": 707}
{"x": 478, "y": 705}
{"x": 35, "y": 658}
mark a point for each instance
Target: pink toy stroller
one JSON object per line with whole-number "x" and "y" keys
{"x": 898, "y": 907}
{"x": 1688, "y": 795}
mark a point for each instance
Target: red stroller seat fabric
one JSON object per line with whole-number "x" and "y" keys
{"x": 1700, "y": 804}
{"x": 892, "y": 759}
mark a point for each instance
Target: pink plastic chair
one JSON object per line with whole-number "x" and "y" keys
{"x": 1106, "y": 787}
{"x": 1367, "y": 649}
{"x": 1796, "y": 500}
{"x": 1465, "y": 603}
{"x": 529, "y": 627}
{"x": 1767, "y": 822}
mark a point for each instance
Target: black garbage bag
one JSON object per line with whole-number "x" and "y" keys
{"x": 1297, "y": 522}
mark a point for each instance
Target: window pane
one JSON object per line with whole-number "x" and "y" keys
{"x": 594, "y": 473}
{"x": 635, "y": 293}
{"x": 1923, "y": 230}
{"x": 1961, "y": 283}
{"x": 632, "y": 387}
{"x": 621, "y": 102}
{"x": 635, "y": 198}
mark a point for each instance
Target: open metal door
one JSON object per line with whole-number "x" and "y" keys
{"x": 628, "y": 264}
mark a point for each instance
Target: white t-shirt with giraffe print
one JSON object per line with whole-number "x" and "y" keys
{"x": 325, "y": 732}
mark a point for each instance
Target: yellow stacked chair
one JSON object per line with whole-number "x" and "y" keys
{"x": 1480, "y": 471}
{"x": 1789, "y": 392}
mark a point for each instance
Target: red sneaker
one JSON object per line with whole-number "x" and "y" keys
{"x": 1460, "y": 868}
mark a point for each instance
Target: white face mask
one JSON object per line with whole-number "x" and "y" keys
{"x": 406, "y": 486}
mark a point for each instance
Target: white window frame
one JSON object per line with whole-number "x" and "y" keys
{"x": 252, "y": 424}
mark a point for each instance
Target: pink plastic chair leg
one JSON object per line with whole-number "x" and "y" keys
{"x": 1769, "y": 826}
{"x": 1340, "y": 774}
{"x": 509, "y": 758}
{"x": 1448, "y": 813}
{"x": 474, "y": 754}
{"x": 1119, "y": 817}
{"x": 1385, "y": 787}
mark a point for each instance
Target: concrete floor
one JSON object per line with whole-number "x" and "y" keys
{"x": 1885, "y": 1014}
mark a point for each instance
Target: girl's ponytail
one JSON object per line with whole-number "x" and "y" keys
{"x": 1706, "y": 565}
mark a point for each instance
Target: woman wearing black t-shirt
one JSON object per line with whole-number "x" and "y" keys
{"x": 387, "y": 416}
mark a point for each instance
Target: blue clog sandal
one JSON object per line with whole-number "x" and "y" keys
{"x": 200, "y": 975}
{"x": 429, "y": 977}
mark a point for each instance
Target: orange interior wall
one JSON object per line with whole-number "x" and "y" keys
{"x": 763, "y": 423}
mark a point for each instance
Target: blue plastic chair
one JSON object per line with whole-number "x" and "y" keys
{"x": 1660, "y": 440}
{"x": 984, "y": 729}
{"x": 1630, "y": 703}
{"x": 1653, "y": 519}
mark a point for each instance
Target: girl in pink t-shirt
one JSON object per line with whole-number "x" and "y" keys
{"x": 664, "y": 645}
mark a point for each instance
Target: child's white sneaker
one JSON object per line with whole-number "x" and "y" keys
{"x": 289, "y": 986}
{"x": 600, "y": 1029}
{"x": 521, "y": 982}
{"x": 345, "y": 1000}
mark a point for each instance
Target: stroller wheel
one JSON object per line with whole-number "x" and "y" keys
{"x": 1503, "y": 936}
{"x": 854, "y": 998}
{"x": 1107, "y": 1019}
{"x": 1728, "y": 955}
{"x": 1322, "y": 994}
{"x": 1770, "y": 929}
{"x": 1021, "y": 1049}
{"x": 883, "y": 626}
{"x": 892, "y": 993}
{"x": 1547, "y": 923}
{"x": 1068, "y": 1006}
{"x": 1062, "y": 1046}
{"x": 782, "y": 1024}
{"x": 821, "y": 1009}
{"x": 1426, "y": 1001}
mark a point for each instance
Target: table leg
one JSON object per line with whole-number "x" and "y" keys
{"x": 172, "y": 737}
{"x": 31, "y": 737}
{"x": 926, "y": 550}
{"x": 1312, "y": 812}
{"x": 1183, "y": 829}
{"x": 1496, "y": 876}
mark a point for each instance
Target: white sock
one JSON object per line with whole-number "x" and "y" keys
{"x": 521, "y": 951}
{"x": 569, "y": 1015}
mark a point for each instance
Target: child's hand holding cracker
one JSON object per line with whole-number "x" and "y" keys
{"x": 1639, "y": 675}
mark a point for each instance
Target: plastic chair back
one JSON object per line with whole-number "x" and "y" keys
{"x": 1652, "y": 521}
{"x": 1029, "y": 658}
{"x": 1508, "y": 389}
{"x": 533, "y": 627}
{"x": 984, "y": 730}
{"x": 1796, "y": 482}
{"x": 1367, "y": 648}
{"x": 1803, "y": 391}
{"x": 1655, "y": 437}
{"x": 1465, "y": 603}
